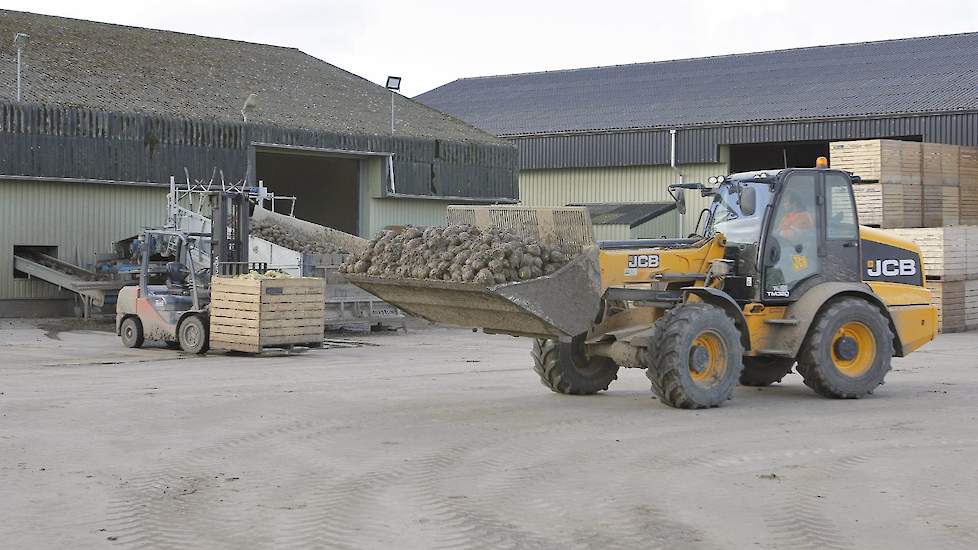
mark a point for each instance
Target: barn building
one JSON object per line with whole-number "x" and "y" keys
{"x": 605, "y": 134}
{"x": 108, "y": 113}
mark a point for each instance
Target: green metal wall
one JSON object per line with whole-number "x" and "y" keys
{"x": 560, "y": 187}
{"x": 656, "y": 228}
{"x": 377, "y": 212}
{"x": 81, "y": 219}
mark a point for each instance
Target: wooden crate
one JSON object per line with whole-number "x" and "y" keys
{"x": 941, "y": 205}
{"x": 969, "y": 185}
{"x": 879, "y": 160}
{"x": 250, "y": 315}
{"x": 948, "y": 251}
{"x": 949, "y": 297}
{"x": 889, "y": 205}
{"x": 940, "y": 164}
{"x": 971, "y": 304}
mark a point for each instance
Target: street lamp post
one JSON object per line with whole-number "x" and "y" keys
{"x": 20, "y": 40}
{"x": 393, "y": 84}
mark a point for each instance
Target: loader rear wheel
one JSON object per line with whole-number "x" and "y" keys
{"x": 193, "y": 335}
{"x": 696, "y": 357}
{"x": 131, "y": 332}
{"x": 764, "y": 371}
{"x": 564, "y": 367}
{"x": 848, "y": 351}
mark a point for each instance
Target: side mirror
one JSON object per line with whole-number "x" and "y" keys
{"x": 681, "y": 200}
{"x": 748, "y": 201}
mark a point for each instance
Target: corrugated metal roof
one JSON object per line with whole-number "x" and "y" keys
{"x": 117, "y": 68}
{"x": 915, "y": 75}
{"x": 631, "y": 214}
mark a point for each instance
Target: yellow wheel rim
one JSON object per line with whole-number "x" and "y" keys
{"x": 707, "y": 359}
{"x": 853, "y": 349}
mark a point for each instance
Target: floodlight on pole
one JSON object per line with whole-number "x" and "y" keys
{"x": 394, "y": 85}
{"x": 20, "y": 40}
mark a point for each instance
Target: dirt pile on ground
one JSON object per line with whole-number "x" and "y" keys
{"x": 461, "y": 253}
{"x": 291, "y": 239}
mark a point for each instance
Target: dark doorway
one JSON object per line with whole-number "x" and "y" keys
{"x": 768, "y": 156}
{"x": 786, "y": 154}
{"x": 326, "y": 187}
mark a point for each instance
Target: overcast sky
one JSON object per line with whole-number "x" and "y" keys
{"x": 430, "y": 43}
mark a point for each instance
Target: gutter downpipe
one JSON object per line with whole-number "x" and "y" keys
{"x": 672, "y": 163}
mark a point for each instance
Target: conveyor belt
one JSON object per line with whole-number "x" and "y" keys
{"x": 68, "y": 276}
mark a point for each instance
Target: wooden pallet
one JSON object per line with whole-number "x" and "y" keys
{"x": 971, "y": 304}
{"x": 879, "y": 160}
{"x": 251, "y": 315}
{"x": 941, "y": 205}
{"x": 889, "y": 205}
{"x": 968, "y": 171}
{"x": 940, "y": 164}
{"x": 952, "y": 304}
{"x": 949, "y": 252}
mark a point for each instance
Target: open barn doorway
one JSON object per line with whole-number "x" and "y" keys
{"x": 774, "y": 156}
{"x": 326, "y": 185}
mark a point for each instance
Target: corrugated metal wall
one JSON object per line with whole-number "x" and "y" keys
{"x": 377, "y": 212}
{"x": 614, "y": 184}
{"x": 664, "y": 225}
{"x": 612, "y": 232}
{"x": 73, "y": 142}
{"x": 702, "y": 144}
{"x": 81, "y": 219}
{"x": 386, "y": 212}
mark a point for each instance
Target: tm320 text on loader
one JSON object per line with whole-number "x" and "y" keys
{"x": 779, "y": 275}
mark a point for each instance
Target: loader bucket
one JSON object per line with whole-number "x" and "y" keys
{"x": 562, "y": 305}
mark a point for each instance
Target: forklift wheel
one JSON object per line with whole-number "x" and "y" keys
{"x": 131, "y": 332}
{"x": 193, "y": 335}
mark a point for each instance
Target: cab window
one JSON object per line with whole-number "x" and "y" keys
{"x": 840, "y": 212}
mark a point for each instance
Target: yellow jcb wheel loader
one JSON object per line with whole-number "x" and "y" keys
{"x": 778, "y": 275}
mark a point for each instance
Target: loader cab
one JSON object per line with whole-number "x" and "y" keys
{"x": 786, "y": 231}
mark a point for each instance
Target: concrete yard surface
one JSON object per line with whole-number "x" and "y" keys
{"x": 443, "y": 438}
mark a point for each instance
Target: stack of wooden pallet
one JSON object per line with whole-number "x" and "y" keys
{"x": 911, "y": 184}
{"x": 940, "y": 175}
{"x": 968, "y": 171}
{"x": 951, "y": 267}
{"x": 927, "y": 193}
{"x": 890, "y": 194}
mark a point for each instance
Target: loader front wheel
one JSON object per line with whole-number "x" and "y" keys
{"x": 848, "y": 350}
{"x": 564, "y": 367}
{"x": 696, "y": 357}
{"x": 764, "y": 371}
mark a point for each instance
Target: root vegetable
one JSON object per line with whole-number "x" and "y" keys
{"x": 461, "y": 253}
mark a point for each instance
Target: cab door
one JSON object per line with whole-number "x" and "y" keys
{"x": 791, "y": 260}
{"x": 812, "y": 237}
{"x": 841, "y": 230}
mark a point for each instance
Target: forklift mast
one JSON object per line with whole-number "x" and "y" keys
{"x": 230, "y": 226}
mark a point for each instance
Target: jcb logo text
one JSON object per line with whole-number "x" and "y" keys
{"x": 643, "y": 260}
{"x": 891, "y": 268}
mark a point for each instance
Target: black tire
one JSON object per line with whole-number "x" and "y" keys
{"x": 680, "y": 339}
{"x": 831, "y": 374}
{"x": 565, "y": 368}
{"x": 764, "y": 371}
{"x": 193, "y": 335}
{"x": 131, "y": 332}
